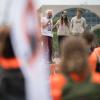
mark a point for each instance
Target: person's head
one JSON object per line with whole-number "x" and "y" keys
{"x": 89, "y": 37}
{"x": 64, "y": 18}
{"x": 49, "y": 13}
{"x": 90, "y": 40}
{"x": 64, "y": 13}
{"x": 79, "y": 12}
{"x": 74, "y": 56}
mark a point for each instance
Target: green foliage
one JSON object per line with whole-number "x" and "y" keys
{"x": 97, "y": 34}
{"x": 55, "y": 37}
{"x": 55, "y": 42}
{"x": 54, "y": 22}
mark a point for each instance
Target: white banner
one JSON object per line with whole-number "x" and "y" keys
{"x": 26, "y": 42}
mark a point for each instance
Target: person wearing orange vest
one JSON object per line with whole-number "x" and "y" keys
{"x": 77, "y": 71}
{"x": 11, "y": 78}
{"x": 57, "y": 82}
{"x": 73, "y": 66}
{"x": 93, "y": 60}
{"x": 93, "y": 56}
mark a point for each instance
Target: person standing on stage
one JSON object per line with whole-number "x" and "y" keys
{"x": 78, "y": 23}
{"x": 63, "y": 27}
{"x": 46, "y": 24}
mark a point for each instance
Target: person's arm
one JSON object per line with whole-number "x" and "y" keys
{"x": 43, "y": 23}
{"x": 71, "y": 24}
{"x": 57, "y": 24}
{"x": 84, "y": 24}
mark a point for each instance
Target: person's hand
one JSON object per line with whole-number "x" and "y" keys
{"x": 49, "y": 22}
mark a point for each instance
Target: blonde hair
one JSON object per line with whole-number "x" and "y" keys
{"x": 49, "y": 10}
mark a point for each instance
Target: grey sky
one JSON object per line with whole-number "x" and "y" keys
{"x": 67, "y": 2}
{"x": 3, "y": 4}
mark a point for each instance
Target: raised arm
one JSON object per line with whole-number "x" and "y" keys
{"x": 71, "y": 24}
{"x": 44, "y": 24}
{"x": 84, "y": 24}
{"x": 57, "y": 24}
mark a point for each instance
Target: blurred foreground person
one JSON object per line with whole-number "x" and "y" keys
{"x": 90, "y": 41}
{"x": 94, "y": 62}
{"x": 11, "y": 78}
{"x": 74, "y": 77}
{"x": 94, "y": 59}
{"x": 26, "y": 42}
{"x": 89, "y": 38}
{"x": 73, "y": 58}
{"x": 95, "y": 65}
{"x": 75, "y": 67}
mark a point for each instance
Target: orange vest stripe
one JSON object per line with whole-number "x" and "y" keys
{"x": 9, "y": 63}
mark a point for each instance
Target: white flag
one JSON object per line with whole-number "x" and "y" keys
{"x": 26, "y": 42}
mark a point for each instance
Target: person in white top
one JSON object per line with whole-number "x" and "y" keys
{"x": 63, "y": 28}
{"x": 78, "y": 23}
{"x": 46, "y": 30}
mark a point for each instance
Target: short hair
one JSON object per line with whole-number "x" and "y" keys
{"x": 74, "y": 55}
{"x": 89, "y": 38}
{"x": 49, "y": 10}
{"x": 80, "y": 10}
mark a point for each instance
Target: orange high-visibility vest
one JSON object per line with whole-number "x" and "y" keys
{"x": 11, "y": 63}
{"x": 92, "y": 64}
{"x": 57, "y": 82}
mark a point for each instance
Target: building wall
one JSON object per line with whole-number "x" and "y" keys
{"x": 58, "y": 8}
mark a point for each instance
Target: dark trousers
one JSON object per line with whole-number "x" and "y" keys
{"x": 47, "y": 44}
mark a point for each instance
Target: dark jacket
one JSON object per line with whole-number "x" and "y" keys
{"x": 81, "y": 91}
{"x": 11, "y": 85}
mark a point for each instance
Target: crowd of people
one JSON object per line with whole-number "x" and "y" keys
{"x": 75, "y": 77}
{"x": 65, "y": 27}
